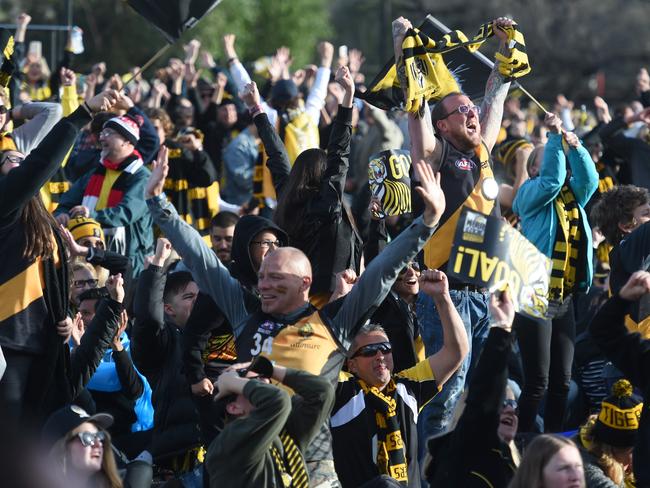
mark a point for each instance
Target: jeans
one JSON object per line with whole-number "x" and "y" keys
{"x": 473, "y": 309}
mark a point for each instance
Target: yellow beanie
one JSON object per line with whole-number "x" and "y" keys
{"x": 81, "y": 227}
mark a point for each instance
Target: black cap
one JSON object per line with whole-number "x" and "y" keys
{"x": 69, "y": 418}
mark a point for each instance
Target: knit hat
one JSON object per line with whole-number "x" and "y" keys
{"x": 81, "y": 227}
{"x": 69, "y": 418}
{"x": 126, "y": 126}
{"x": 619, "y": 416}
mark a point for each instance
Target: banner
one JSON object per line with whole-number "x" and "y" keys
{"x": 173, "y": 17}
{"x": 489, "y": 253}
{"x": 388, "y": 177}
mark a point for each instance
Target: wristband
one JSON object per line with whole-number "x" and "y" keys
{"x": 87, "y": 108}
{"x": 255, "y": 110}
{"x": 233, "y": 59}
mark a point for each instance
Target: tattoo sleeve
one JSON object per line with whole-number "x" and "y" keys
{"x": 496, "y": 90}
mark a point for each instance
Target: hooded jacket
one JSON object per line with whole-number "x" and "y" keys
{"x": 247, "y": 228}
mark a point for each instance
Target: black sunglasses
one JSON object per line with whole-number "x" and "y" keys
{"x": 370, "y": 350}
{"x": 3, "y": 110}
{"x": 414, "y": 265}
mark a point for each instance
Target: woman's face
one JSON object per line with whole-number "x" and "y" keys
{"x": 564, "y": 470}
{"x": 534, "y": 168}
{"x": 84, "y": 459}
{"x": 82, "y": 280}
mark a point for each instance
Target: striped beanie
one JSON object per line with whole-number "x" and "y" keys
{"x": 619, "y": 416}
{"x": 126, "y": 126}
{"x": 81, "y": 227}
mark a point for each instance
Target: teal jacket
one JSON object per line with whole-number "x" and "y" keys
{"x": 535, "y": 199}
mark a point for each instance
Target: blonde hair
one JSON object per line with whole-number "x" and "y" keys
{"x": 106, "y": 477}
{"x": 603, "y": 453}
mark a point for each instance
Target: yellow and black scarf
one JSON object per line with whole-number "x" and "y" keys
{"x": 567, "y": 249}
{"x": 422, "y": 71}
{"x": 391, "y": 452}
{"x": 263, "y": 188}
{"x": 291, "y": 464}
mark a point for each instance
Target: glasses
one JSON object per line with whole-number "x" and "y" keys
{"x": 3, "y": 110}
{"x": 12, "y": 158}
{"x": 107, "y": 133}
{"x": 266, "y": 244}
{"x": 414, "y": 265}
{"x": 509, "y": 402}
{"x": 82, "y": 283}
{"x": 464, "y": 109}
{"x": 370, "y": 350}
{"x": 91, "y": 438}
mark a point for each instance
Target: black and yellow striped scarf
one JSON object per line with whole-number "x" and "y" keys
{"x": 391, "y": 452}
{"x": 424, "y": 73}
{"x": 263, "y": 188}
{"x": 566, "y": 251}
{"x": 291, "y": 465}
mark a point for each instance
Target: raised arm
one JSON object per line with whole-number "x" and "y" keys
{"x": 210, "y": 275}
{"x": 278, "y": 159}
{"x": 455, "y": 346}
{"x": 40, "y": 117}
{"x": 423, "y": 142}
{"x": 378, "y": 278}
{"x": 316, "y": 99}
{"x": 496, "y": 90}
{"x": 584, "y": 177}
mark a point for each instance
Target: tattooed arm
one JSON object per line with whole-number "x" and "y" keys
{"x": 496, "y": 90}
{"x": 423, "y": 142}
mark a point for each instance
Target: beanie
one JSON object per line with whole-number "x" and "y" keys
{"x": 283, "y": 91}
{"x": 81, "y": 227}
{"x": 619, "y": 416}
{"x": 126, "y": 126}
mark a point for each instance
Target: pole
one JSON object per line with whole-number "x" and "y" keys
{"x": 146, "y": 65}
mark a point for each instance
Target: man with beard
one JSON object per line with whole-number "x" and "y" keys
{"x": 456, "y": 140}
{"x": 112, "y": 193}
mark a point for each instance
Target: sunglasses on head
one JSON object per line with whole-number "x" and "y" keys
{"x": 91, "y": 438}
{"x": 370, "y": 350}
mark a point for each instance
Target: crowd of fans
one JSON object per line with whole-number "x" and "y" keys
{"x": 200, "y": 289}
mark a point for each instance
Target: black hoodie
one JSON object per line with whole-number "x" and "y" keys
{"x": 247, "y": 228}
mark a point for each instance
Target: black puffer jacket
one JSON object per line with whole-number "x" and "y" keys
{"x": 157, "y": 353}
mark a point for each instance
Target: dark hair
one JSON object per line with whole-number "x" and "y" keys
{"x": 38, "y": 225}
{"x": 224, "y": 219}
{"x": 163, "y": 116}
{"x": 93, "y": 294}
{"x": 439, "y": 111}
{"x": 616, "y": 206}
{"x": 176, "y": 283}
{"x": 304, "y": 181}
{"x": 537, "y": 455}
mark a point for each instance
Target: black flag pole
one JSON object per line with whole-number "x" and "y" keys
{"x": 485, "y": 60}
{"x": 146, "y": 65}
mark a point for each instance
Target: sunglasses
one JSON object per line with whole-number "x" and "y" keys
{"x": 91, "y": 438}
{"x": 3, "y": 110}
{"x": 370, "y": 350}
{"x": 82, "y": 283}
{"x": 509, "y": 402}
{"x": 267, "y": 244}
{"x": 414, "y": 265}
{"x": 464, "y": 109}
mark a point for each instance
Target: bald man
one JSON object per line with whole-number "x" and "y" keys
{"x": 287, "y": 328}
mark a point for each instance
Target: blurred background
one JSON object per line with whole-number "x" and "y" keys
{"x": 580, "y": 48}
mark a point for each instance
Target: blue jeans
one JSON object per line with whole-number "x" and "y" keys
{"x": 473, "y": 309}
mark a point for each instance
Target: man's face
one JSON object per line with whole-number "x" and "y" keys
{"x": 261, "y": 245}
{"x": 407, "y": 284}
{"x": 374, "y": 370}
{"x": 180, "y": 305}
{"x": 82, "y": 280}
{"x": 227, "y": 115}
{"x": 10, "y": 160}
{"x": 463, "y": 130}
{"x": 221, "y": 238}
{"x": 281, "y": 288}
{"x": 87, "y": 311}
{"x": 114, "y": 146}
